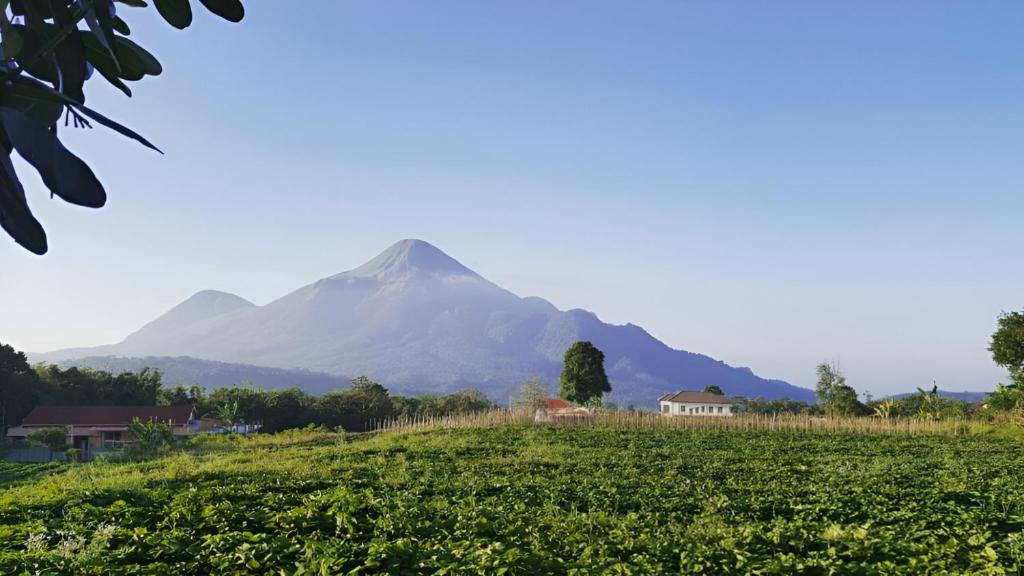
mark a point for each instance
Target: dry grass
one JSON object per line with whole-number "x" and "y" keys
{"x": 654, "y": 420}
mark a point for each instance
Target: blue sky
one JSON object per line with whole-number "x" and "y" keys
{"x": 772, "y": 184}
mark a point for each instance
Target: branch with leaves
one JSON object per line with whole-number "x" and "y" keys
{"x": 50, "y": 49}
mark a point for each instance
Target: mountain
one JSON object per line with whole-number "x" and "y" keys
{"x": 965, "y": 396}
{"x": 188, "y": 371}
{"x": 418, "y": 321}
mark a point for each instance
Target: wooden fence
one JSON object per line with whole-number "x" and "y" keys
{"x": 654, "y": 420}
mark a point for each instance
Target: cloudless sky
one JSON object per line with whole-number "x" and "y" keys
{"x": 770, "y": 183}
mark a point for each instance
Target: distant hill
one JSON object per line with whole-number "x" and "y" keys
{"x": 960, "y": 396}
{"x": 210, "y": 374}
{"x": 417, "y": 320}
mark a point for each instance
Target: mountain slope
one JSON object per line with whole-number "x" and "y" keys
{"x": 188, "y": 371}
{"x": 419, "y": 321}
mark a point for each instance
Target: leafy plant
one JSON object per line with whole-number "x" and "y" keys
{"x": 150, "y": 436}
{"x": 55, "y": 439}
{"x": 227, "y": 413}
{"x": 885, "y": 408}
{"x": 529, "y": 500}
{"x": 50, "y": 48}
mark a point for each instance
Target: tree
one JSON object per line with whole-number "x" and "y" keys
{"x": 286, "y": 409}
{"x": 47, "y": 57}
{"x": 179, "y": 395}
{"x": 82, "y": 386}
{"x": 714, "y": 389}
{"x": 1007, "y": 345}
{"x": 251, "y": 401}
{"x": 355, "y": 409}
{"x": 465, "y": 402}
{"x": 835, "y": 397}
{"x": 583, "y": 380}
{"x": 339, "y": 408}
{"x": 372, "y": 399}
{"x": 773, "y": 406}
{"x": 55, "y": 439}
{"x": 534, "y": 394}
{"x": 20, "y": 389}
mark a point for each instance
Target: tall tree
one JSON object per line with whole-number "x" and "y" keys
{"x": 1007, "y": 345}
{"x": 714, "y": 389}
{"x": 20, "y": 389}
{"x": 372, "y": 399}
{"x": 287, "y": 408}
{"x": 583, "y": 379}
{"x": 83, "y": 386}
{"x": 49, "y": 50}
{"x": 835, "y": 397}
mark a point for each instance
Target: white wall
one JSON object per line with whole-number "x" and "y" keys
{"x": 694, "y": 409}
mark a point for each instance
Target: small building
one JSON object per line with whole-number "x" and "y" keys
{"x": 98, "y": 428}
{"x": 558, "y": 409}
{"x": 691, "y": 403}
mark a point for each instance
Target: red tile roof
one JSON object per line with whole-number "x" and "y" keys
{"x": 105, "y": 415}
{"x": 556, "y": 404}
{"x": 693, "y": 397}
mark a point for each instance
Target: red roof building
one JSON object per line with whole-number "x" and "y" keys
{"x": 103, "y": 427}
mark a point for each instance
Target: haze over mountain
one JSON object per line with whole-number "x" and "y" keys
{"x": 188, "y": 371}
{"x": 418, "y": 321}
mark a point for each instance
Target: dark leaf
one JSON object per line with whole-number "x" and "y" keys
{"x": 11, "y": 39}
{"x": 32, "y": 43}
{"x": 15, "y": 217}
{"x": 99, "y": 118}
{"x": 63, "y": 173}
{"x": 136, "y": 59}
{"x": 231, "y": 10}
{"x": 120, "y": 26}
{"x": 177, "y": 13}
{"x": 103, "y": 34}
{"x": 100, "y": 58}
{"x": 71, "y": 60}
{"x": 32, "y": 102}
{"x": 40, "y": 9}
{"x": 136, "y": 3}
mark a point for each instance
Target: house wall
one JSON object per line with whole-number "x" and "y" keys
{"x": 694, "y": 409}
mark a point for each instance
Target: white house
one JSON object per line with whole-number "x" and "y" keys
{"x": 687, "y": 403}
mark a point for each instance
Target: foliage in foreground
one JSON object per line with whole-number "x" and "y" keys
{"x": 49, "y": 49}
{"x": 530, "y": 500}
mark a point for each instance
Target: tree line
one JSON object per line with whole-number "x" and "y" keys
{"x": 24, "y": 386}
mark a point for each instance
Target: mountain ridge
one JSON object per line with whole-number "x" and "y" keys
{"x": 417, "y": 320}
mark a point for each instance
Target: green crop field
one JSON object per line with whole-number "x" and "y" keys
{"x": 529, "y": 500}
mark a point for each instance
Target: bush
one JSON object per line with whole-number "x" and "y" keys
{"x": 53, "y": 438}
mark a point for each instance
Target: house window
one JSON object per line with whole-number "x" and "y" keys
{"x": 664, "y": 407}
{"x": 112, "y": 439}
{"x": 719, "y": 409}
